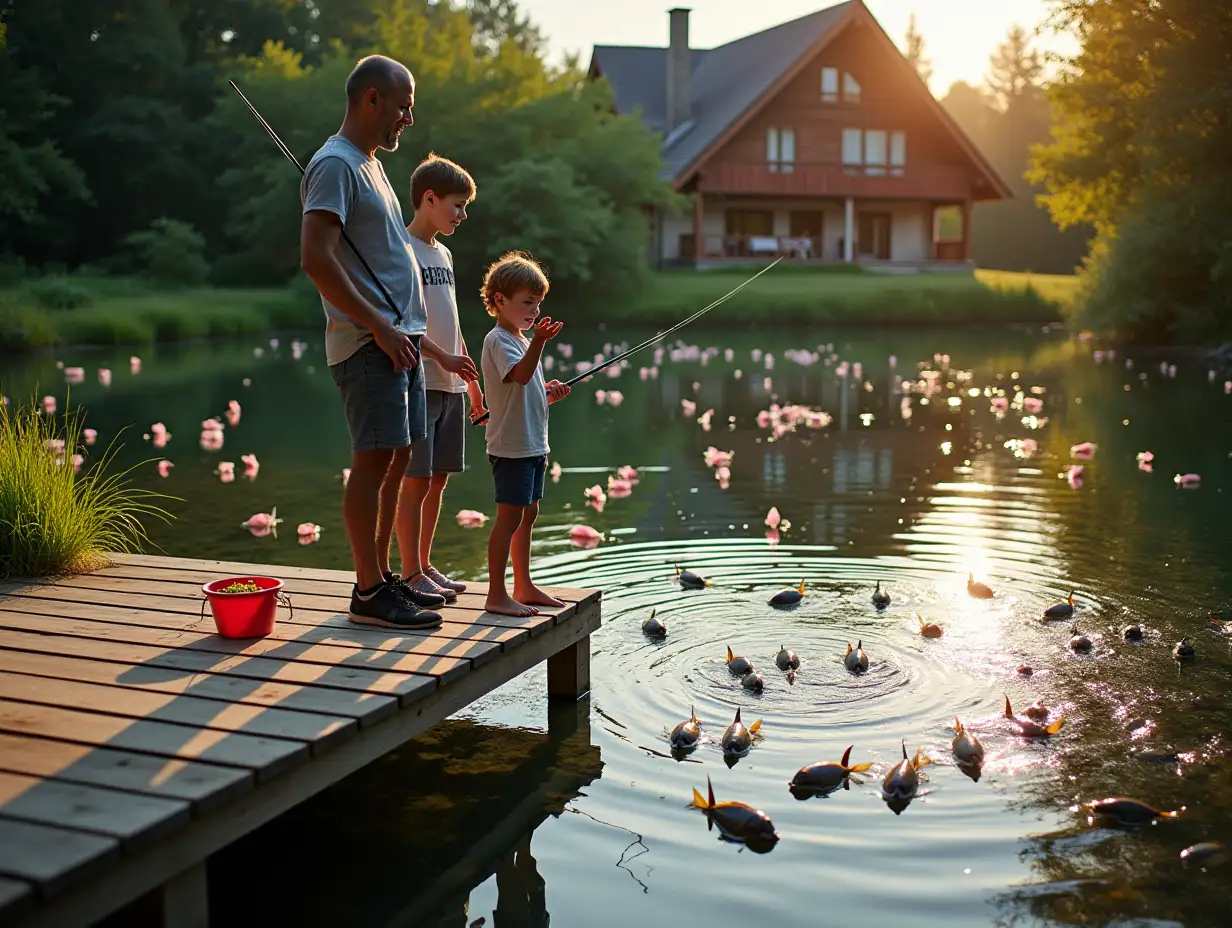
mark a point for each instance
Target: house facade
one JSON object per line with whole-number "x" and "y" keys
{"x": 814, "y": 139}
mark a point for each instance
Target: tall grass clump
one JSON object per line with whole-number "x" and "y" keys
{"x": 55, "y": 519}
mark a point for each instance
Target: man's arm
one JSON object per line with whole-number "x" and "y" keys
{"x": 319, "y": 235}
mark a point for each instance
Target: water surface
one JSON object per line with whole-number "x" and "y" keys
{"x": 496, "y": 814}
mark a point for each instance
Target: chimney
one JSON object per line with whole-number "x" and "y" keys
{"x": 679, "y": 70}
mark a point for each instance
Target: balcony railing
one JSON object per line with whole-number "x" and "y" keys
{"x": 939, "y": 182}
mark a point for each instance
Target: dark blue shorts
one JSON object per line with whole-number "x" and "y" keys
{"x": 519, "y": 481}
{"x": 384, "y": 408}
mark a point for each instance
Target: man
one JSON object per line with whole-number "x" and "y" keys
{"x": 375, "y": 325}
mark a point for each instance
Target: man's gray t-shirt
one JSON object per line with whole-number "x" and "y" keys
{"x": 342, "y": 180}
{"x": 518, "y": 422}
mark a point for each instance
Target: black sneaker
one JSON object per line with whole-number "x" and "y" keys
{"x": 407, "y": 591}
{"x": 384, "y": 606}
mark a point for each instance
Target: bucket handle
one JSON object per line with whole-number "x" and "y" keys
{"x": 283, "y": 598}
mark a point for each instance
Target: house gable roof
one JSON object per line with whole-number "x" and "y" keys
{"x": 730, "y": 83}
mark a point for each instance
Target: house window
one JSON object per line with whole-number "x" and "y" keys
{"x": 898, "y": 153}
{"x": 781, "y": 150}
{"x": 851, "y": 89}
{"x": 829, "y": 85}
{"x": 875, "y": 152}
{"x": 853, "y": 149}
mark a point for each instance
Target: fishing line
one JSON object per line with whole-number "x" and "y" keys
{"x": 590, "y": 372}
{"x": 295, "y": 161}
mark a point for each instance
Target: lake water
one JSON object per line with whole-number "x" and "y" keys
{"x": 496, "y": 816}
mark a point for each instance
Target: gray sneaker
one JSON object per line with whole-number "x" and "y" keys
{"x": 386, "y": 608}
{"x": 425, "y": 589}
{"x": 442, "y": 581}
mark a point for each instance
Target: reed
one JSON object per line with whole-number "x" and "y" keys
{"x": 55, "y": 519}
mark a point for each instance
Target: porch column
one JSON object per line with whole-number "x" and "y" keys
{"x": 849, "y": 231}
{"x": 699, "y": 242}
{"x": 966, "y": 235}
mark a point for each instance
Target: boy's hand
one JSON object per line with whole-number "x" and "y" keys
{"x": 477, "y": 409}
{"x": 557, "y": 391}
{"x": 461, "y": 365}
{"x": 545, "y": 328}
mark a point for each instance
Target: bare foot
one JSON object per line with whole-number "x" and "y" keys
{"x": 504, "y": 604}
{"x": 532, "y": 595}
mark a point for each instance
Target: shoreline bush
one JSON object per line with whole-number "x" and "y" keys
{"x": 55, "y": 519}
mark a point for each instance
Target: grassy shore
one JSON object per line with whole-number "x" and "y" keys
{"x": 112, "y": 311}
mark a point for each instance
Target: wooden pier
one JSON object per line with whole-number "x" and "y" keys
{"x": 135, "y": 742}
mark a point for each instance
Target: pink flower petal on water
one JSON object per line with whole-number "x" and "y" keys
{"x": 346, "y": 475}
{"x": 1084, "y": 450}
{"x": 49, "y": 405}
{"x": 90, "y": 436}
{"x": 1187, "y": 480}
{"x": 134, "y": 364}
{"x": 470, "y": 518}
{"x": 626, "y": 472}
{"x": 104, "y": 376}
{"x": 584, "y": 536}
{"x": 164, "y": 467}
{"x": 1146, "y": 457}
{"x": 773, "y": 518}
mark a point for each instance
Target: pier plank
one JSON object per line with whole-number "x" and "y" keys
{"x": 321, "y": 732}
{"x": 132, "y": 818}
{"x": 189, "y": 665}
{"x": 52, "y": 858}
{"x": 16, "y": 897}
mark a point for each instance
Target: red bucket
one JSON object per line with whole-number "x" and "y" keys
{"x": 248, "y": 614}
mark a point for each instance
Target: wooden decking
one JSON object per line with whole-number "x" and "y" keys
{"x": 135, "y": 742}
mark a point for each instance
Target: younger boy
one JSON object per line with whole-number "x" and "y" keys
{"x": 440, "y": 193}
{"x": 517, "y": 436}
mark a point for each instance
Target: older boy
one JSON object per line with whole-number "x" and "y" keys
{"x": 440, "y": 193}
{"x": 517, "y": 435}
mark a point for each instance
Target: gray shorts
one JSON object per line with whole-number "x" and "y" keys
{"x": 442, "y": 451}
{"x": 384, "y": 408}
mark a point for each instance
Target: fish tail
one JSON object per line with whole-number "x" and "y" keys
{"x": 730, "y": 656}
{"x": 847, "y": 755}
{"x": 958, "y": 726}
{"x": 1055, "y": 727}
{"x": 848, "y": 651}
{"x": 800, "y": 589}
{"x": 699, "y": 801}
{"x": 755, "y": 727}
{"x": 858, "y": 768}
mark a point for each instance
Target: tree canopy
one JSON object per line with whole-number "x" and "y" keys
{"x": 115, "y": 118}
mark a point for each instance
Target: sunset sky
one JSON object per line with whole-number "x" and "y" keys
{"x": 959, "y": 35}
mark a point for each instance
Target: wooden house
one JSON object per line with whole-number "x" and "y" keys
{"x": 813, "y": 139}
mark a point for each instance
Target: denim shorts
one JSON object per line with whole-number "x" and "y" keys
{"x": 443, "y": 449}
{"x": 519, "y": 481}
{"x": 384, "y": 408}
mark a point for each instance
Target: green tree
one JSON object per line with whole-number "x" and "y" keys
{"x": 1139, "y": 152}
{"x": 915, "y": 52}
{"x": 1015, "y": 70}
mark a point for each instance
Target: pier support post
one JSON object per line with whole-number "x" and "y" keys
{"x": 569, "y": 671}
{"x": 181, "y": 902}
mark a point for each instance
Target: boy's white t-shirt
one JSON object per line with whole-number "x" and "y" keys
{"x": 518, "y": 415}
{"x": 441, "y": 302}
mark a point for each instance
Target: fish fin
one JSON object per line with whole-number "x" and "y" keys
{"x": 652, "y": 612}
{"x": 958, "y": 726}
{"x": 849, "y": 649}
{"x": 678, "y": 570}
{"x": 737, "y": 718}
{"x": 699, "y": 801}
{"x": 710, "y": 791}
{"x": 730, "y": 656}
{"x": 1055, "y": 727}
{"x": 1071, "y": 597}
{"x": 800, "y": 588}
{"x": 919, "y": 618}
{"x": 921, "y": 759}
{"x": 904, "y": 750}
{"x": 860, "y": 645}
{"x": 693, "y": 715}
{"x": 859, "y": 768}
{"x": 1009, "y": 713}
{"x": 846, "y": 755}
{"x": 755, "y": 727}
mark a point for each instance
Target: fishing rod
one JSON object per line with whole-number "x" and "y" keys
{"x": 590, "y": 372}
{"x": 282, "y": 147}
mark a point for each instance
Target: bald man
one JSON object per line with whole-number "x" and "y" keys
{"x": 374, "y": 328}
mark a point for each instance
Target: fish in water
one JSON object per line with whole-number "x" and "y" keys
{"x": 826, "y": 776}
{"x": 1025, "y": 670}
{"x": 787, "y": 659}
{"x": 686, "y": 734}
{"x": 690, "y": 580}
{"x": 1206, "y": 854}
{"x": 928, "y": 629}
{"x": 904, "y": 777}
{"x": 1079, "y": 642}
{"x": 880, "y": 599}
{"x": 788, "y": 597}
{"x": 1037, "y": 711}
{"x": 1029, "y": 728}
{"x": 1125, "y": 811}
{"x": 856, "y": 661}
{"x": 654, "y": 628}
{"x": 737, "y": 821}
{"x": 1132, "y": 633}
{"x": 966, "y": 746}
{"x": 737, "y": 740}
{"x": 738, "y": 665}
{"x": 753, "y": 682}
{"x": 978, "y": 590}
{"x": 1061, "y": 610}
{"x": 1184, "y": 650}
